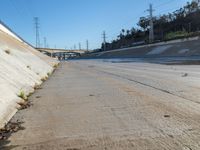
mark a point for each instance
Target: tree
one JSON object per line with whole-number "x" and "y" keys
{"x": 183, "y": 19}
{"x": 143, "y": 23}
{"x": 127, "y": 32}
{"x": 123, "y": 31}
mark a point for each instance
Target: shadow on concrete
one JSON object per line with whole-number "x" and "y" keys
{"x": 7, "y": 131}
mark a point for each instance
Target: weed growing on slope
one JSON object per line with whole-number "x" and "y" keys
{"x": 22, "y": 95}
{"x": 48, "y": 74}
{"x": 55, "y": 65}
{"x": 25, "y": 105}
{"x": 44, "y": 78}
{"x": 37, "y": 87}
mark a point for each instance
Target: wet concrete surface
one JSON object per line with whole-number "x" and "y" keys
{"x": 93, "y": 105}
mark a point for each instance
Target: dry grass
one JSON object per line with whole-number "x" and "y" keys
{"x": 37, "y": 87}
{"x": 55, "y": 65}
{"x": 44, "y": 78}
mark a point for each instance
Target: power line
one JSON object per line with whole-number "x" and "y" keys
{"x": 24, "y": 9}
{"x": 168, "y": 10}
{"x": 131, "y": 20}
{"x": 17, "y": 10}
{"x": 165, "y": 3}
{"x": 139, "y": 14}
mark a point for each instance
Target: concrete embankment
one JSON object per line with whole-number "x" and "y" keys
{"x": 22, "y": 68}
{"x": 183, "y": 47}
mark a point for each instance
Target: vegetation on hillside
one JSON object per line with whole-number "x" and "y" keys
{"x": 184, "y": 22}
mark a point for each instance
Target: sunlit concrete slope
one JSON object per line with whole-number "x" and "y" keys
{"x": 21, "y": 69}
{"x": 182, "y": 47}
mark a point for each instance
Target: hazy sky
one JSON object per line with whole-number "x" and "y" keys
{"x": 68, "y": 22}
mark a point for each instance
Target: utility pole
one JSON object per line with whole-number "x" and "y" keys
{"x": 87, "y": 45}
{"x": 151, "y": 30}
{"x": 45, "y": 42}
{"x": 104, "y": 40}
{"x": 190, "y": 27}
{"x": 37, "y": 34}
{"x": 79, "y": 44}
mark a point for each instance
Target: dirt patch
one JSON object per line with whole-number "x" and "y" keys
{"x": 7, "y": 131}
{"x": 37, "y": 87}
{"x": 38, "y": 97}
{"x": 167, "y": 116}
{"x": 25, "y": 105}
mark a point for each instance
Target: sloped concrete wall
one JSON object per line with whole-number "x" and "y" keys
{"x": 183, "y": 47}
{"x": 21, "y": 69}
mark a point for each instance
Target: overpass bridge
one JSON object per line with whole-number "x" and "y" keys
{"x": 61, "y": 54}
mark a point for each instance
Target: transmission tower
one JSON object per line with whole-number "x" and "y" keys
{"x": 151, "y": 30}
{"x": 37, "y": 34}
{"x": 45, "y": 42}
{"x": 87, "y": 45}
{"x": 79, "y": 44}
{"x": 104, "y": 40}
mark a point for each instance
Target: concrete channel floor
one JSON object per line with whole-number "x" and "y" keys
{"x": 96, "y": 105}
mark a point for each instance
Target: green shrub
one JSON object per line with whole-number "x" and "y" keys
{"x": 180, "y": 35}
{"x": 176, "y": 35}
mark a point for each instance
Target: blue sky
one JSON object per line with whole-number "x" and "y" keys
{"x": 67, "y": 22}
